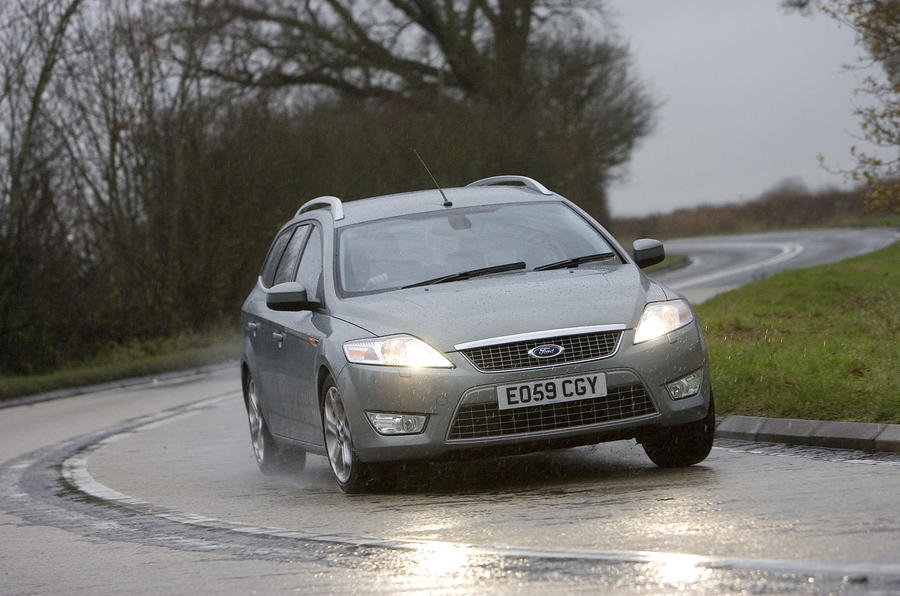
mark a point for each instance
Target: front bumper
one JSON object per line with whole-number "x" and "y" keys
{"x": 442, "y": 393}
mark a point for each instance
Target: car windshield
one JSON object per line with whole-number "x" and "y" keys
{"x": 404, "y": 251}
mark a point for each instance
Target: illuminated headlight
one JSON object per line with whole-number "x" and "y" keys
{"x": 660, "y": 318}
{"x": 396, "y": 350}
{"x": 686, "y": 386}
{"x": 396, "y": 424}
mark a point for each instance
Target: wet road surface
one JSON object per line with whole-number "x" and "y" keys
{"x": 172, "y": 501}
{"x": 605, "y": 497}
{"x": 720, "y": 263}
{"x": 154, "y": 489}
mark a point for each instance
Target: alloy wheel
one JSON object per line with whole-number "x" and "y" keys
{"x": 338, "y": 442}
{"x": 257, "y": 426}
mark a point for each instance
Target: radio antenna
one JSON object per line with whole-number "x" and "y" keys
{"x": 447, "y": 202}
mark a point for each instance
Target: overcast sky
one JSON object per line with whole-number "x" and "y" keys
{"x": 752, "y": 95}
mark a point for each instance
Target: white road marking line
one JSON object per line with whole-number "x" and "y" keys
{"x": 76, "y": 473}
{"x": 787, "y": 251}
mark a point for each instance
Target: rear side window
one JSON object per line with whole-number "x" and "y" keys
{"x": 271, "y": 264}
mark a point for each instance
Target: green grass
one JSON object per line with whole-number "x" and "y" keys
{"x": 820, "y": 343}
{"x": 134, "y": 359}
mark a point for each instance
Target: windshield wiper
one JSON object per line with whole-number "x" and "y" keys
{"x": 467, "y": 274}
{"x": 576, "y": 261}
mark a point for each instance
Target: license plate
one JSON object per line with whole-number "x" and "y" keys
{"x": 550, "y": 391}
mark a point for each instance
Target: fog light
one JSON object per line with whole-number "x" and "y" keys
{"x": 397, "y": 424}
{"x": 686, "y": 386}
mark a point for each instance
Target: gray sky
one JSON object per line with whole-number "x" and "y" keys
{"x": 752, "y": 95}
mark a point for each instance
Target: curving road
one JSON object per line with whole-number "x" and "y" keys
{"x": 154, "y": 489}
{"x": 720, "y": 263}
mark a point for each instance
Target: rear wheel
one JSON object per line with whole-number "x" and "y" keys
{"x": 270, "y": 457}
{"x": 683, "y": 445}
{"x": 350, "y": 473}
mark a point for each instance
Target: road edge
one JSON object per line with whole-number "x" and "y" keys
{"x": 862, "y": 436}
{"x": 167, "y": 377}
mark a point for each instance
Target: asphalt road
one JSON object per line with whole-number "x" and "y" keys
{"x": 720, "y": 263}
{"x": 153, "y": 489}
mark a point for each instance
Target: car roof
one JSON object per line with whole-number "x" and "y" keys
{"x": 423, "y": 201}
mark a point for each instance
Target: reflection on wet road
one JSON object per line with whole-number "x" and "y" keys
{"x": 605, "y": 497}
{"x": 755, "y": 519}
{"x": 139, "y": 491}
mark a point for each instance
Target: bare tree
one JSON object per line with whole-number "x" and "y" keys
{"x": 136, "y": 137}
{"x": 33, "y": 43}
{"x": 877, "y": 27}
{"x": 415, "y": 49}
{"x": 150, "y": 149}
{"x": 33, "y": 37}
{"x": 106, "y": 230}
{"x": 547, "y": 65}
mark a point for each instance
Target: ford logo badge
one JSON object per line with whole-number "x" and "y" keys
{"x": 546, "y": 351}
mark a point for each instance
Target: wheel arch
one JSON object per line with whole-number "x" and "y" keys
{"x": 323, "y": 373}
{"x": 245, "y": 378}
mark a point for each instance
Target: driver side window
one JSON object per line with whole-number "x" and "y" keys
{"x": 274, "y": 257}
{"x": 310, "y": 272}
{"x": 288, "y": 264}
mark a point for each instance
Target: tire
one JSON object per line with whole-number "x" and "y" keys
{"x": 683, "y": 445}
{"x": 351, "y": 474}
{"x": 270, "y": 456}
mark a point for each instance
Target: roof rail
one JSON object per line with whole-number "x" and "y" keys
{"x": 337, "y": 208}
{"x": 530, "y": 183}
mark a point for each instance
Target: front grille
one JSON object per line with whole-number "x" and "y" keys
{"x": 514, "y": 356}
{"x": 479, "y": 421}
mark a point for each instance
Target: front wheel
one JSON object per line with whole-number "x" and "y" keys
{"x": 350, "y": 473}
{"x": 683, "y": 445}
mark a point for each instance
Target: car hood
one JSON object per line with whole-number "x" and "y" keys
{"x": 457, "y": 312}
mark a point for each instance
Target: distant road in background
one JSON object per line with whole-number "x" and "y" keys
{"x": 721, "y": 263}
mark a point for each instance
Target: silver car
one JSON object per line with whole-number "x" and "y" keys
{"x": 492, "y": 319}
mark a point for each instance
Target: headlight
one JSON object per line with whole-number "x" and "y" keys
{"x": 396, "y": 350}
{"x": 660, "y": 318}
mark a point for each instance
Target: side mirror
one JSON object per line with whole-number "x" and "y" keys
{"x": 648, "y": 251}
{"x": 290, "y": 296}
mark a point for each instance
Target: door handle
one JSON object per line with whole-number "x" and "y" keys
{"x": 251, "y": 326}
{"x": 279, "y": 337}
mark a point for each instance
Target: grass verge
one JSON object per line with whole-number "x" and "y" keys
{"x": 133, "y": 359}
{"x": 820, "y": 343}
